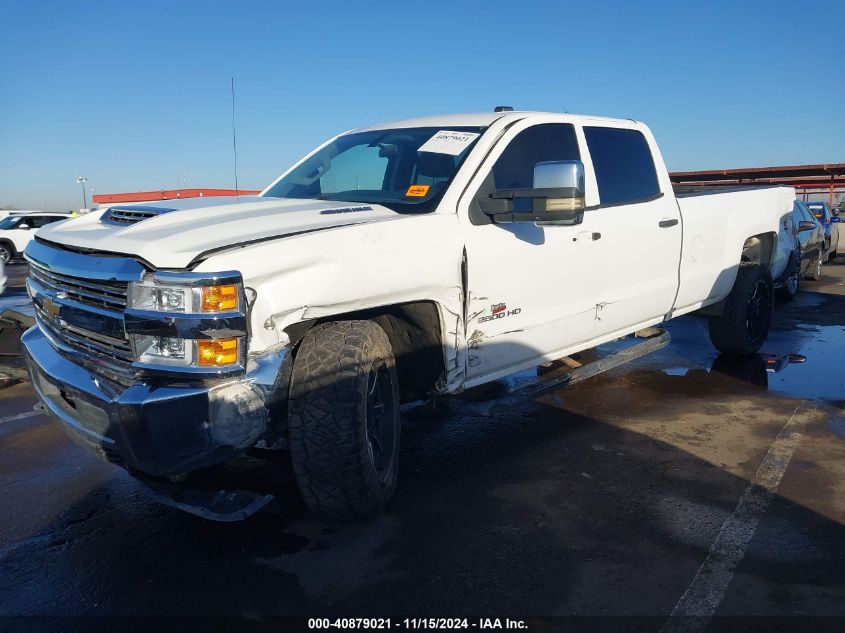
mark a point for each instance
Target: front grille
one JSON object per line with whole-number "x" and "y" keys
{"x": 110, "y": 295}
{"x": 107, "y": 298}
{"x": 124, "y": 216}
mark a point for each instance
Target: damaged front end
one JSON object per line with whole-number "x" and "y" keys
{"x": 151, "y": 370}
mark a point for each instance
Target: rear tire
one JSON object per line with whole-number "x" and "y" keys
{"x": 744, "y": 325}
{"x": 343, "y": 422}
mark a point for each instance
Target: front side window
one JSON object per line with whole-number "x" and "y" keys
{"x": 819, "y": 211}
{"x": 514, "y": 169}
{"x": 405, "y": 169}
{"x": 10, "y": 222}
{"x": 623, "y": 164}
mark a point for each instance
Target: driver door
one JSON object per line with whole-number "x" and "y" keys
{"x": 532, "y": 288}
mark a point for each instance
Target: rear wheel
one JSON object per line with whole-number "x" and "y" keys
{"x": 344, "y": 420}
{"x": 744, "y": 325}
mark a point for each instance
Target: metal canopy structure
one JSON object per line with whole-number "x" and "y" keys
{"x": 825, "y": 178}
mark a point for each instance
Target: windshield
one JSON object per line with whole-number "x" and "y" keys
{"x": 405, "y": 169}
{"x": 10, "y": 222}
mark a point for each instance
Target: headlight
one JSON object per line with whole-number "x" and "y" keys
{"x": 163, "y": 350}
{"x": 154, "y": 296}
{"x": 173, "y": 321}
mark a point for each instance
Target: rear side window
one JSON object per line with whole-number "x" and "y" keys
{"x": 623, "y": 164}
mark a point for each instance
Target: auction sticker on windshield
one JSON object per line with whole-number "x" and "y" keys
{"x": 417, "y": 191}
{"x": 448, "y": 142}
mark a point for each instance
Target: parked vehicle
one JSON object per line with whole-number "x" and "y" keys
{"x": 3, "y": 277}
{"x": 786, "y": 264}
{"x": 18, "y": 228}
{"x": 829, "y": 219}
{"x": 394, "y": 262}
{"x": 811, "y": 236}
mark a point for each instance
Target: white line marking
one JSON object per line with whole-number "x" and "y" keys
{"x": 707, "y": 589}
{"x": 38, "y": 410}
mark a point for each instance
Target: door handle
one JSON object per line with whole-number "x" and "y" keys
{"x": 665, "y": 224}
{"x": 587, "y": 236}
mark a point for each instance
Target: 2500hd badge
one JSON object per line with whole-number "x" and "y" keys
{"x": 499, "y": 311}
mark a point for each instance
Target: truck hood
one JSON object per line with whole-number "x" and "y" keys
{"x": 180, "y": 231}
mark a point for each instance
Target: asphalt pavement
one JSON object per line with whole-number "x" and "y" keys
{"x": 682, "y": 486}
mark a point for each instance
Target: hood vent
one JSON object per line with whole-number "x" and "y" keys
{"x": 124, "y": 216}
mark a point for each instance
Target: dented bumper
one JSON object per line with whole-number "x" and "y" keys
{"x": 155, "y": 428}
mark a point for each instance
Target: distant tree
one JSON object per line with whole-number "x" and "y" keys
{"x": 9, "y": 207}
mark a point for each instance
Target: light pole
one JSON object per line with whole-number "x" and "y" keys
{"x": 82, "y": 180}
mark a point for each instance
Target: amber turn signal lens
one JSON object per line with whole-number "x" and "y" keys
{"x": 219, "y": 298}
{"x": 217, "y": 352}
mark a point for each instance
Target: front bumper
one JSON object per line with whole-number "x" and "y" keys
{"x": 159, "y": 428}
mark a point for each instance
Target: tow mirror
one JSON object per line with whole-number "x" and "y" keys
{"x": 557, "y": 196}
{"x": 806, "y": 225}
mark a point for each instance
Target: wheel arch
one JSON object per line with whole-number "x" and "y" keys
{"x": 415, "y": 331}
{"x": 759, "y": 249}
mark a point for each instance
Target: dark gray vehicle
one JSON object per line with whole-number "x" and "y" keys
{"x": 811, "y": 237}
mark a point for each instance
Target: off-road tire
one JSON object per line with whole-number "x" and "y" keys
{"x": 7, "y": 252}
{"x": 792, "y": 284}
{"x": 816, "y": 269}
{"x": 744, "y": 325}
{"x": 333, "y": 421}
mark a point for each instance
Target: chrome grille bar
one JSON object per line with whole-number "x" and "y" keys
{"x": 109, "y": 296}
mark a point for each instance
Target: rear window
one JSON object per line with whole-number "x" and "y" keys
{"x": 623, "y": 164}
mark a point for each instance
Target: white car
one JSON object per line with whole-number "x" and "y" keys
{"x": 18, "y": 228}
{"x": 394, "y": 262}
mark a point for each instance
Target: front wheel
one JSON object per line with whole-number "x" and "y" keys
{"x": 343, "y": 421}
{"x": 5, "y": 253}
{"x": 744, "y": 325}
{"x": 792, "y": 283}
{"x": 816, "y": 269}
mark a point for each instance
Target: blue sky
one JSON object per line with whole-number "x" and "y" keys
{"x": 135, "y": 95}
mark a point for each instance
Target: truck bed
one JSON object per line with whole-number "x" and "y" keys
{"x": 717, "y": 223}
{"x": 689, "y": 191}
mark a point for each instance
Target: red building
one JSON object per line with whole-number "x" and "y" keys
{"x": 168, "y": 194}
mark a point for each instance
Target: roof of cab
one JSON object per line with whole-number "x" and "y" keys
{"x": 484, "y": 119}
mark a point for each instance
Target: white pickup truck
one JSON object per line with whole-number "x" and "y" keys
{"x": 392, "y": 263}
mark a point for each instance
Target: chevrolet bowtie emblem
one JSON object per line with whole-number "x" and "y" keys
{"x": 50, "y": 307}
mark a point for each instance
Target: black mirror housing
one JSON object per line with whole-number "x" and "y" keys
{"x": 557, "y": 196}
